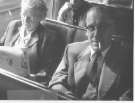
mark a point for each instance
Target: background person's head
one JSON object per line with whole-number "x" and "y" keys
{"x": 100, "y": 27}
{"x": 66, "y": 13}
{"x": 32, "y": 12}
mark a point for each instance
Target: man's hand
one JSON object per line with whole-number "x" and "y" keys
{"x": 63, "y": 91}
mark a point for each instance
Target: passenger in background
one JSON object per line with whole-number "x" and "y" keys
{"x": 66, "y": 13}
{"x": 38, "y": 47}
{"x": 98, "y": 68}
{"x": 72, "y": 13}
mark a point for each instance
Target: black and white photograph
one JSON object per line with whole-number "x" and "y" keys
{"x": 67, "y": 50}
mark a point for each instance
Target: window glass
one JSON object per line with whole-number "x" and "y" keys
{"x": 9, "y": 10}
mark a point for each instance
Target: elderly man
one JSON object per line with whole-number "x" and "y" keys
{"x": 38, "y": 46}
{"x": 98, "y": 68}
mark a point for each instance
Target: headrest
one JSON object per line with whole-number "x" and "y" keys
{"x": 52, "y": 27}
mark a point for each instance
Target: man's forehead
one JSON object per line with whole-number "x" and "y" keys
{"x": 32, "y": 11}
{"x": 94, "y": 16}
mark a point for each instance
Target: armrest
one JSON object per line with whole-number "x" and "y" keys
{"x": 39, "y": 77}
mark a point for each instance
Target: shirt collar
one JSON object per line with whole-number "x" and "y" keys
{"x": 103, "y": 53}
{"x": 23, "y": 34}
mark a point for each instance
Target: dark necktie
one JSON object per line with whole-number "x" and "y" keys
{"x": 93, "y": 73}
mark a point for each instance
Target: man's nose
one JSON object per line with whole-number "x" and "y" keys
{"x": 96, "y": 33}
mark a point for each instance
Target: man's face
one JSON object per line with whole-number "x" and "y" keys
{"x": 99, "y": 29}
{"x": 30, "y": 18}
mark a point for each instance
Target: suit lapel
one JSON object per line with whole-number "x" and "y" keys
{"x": 14, "y": 33}
{"x": 81, "y": 64}
{"x": 107, "y": 78}
{"x": 14, "y": 39}
{"x": 80, "y": 69}
{"x": 33, "y": 40}
{"x": 35, "y": 36}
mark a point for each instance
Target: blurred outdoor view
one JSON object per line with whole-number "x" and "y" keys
{"x": 9, "y": 10}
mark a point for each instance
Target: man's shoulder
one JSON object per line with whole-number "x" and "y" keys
{"x": 77, "y": 47}
{"x": 15, "y": 23}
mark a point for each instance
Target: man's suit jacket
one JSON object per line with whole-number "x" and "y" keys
{"x": 116, "y": 73}
{"x": 44, "y": 49}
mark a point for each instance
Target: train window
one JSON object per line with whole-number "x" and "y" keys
{"x": 74, "y": 32}
{"x": 9, "y": 10}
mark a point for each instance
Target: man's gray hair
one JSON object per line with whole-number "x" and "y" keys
{"x": 37, "y": 4}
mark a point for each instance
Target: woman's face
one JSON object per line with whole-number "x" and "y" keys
{"x": 30, "y": 18}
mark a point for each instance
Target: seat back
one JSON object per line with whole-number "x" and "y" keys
{"x": 58, "y": 29}
{"x": 69, "y": 34}
{"x": 65, "y": 34}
